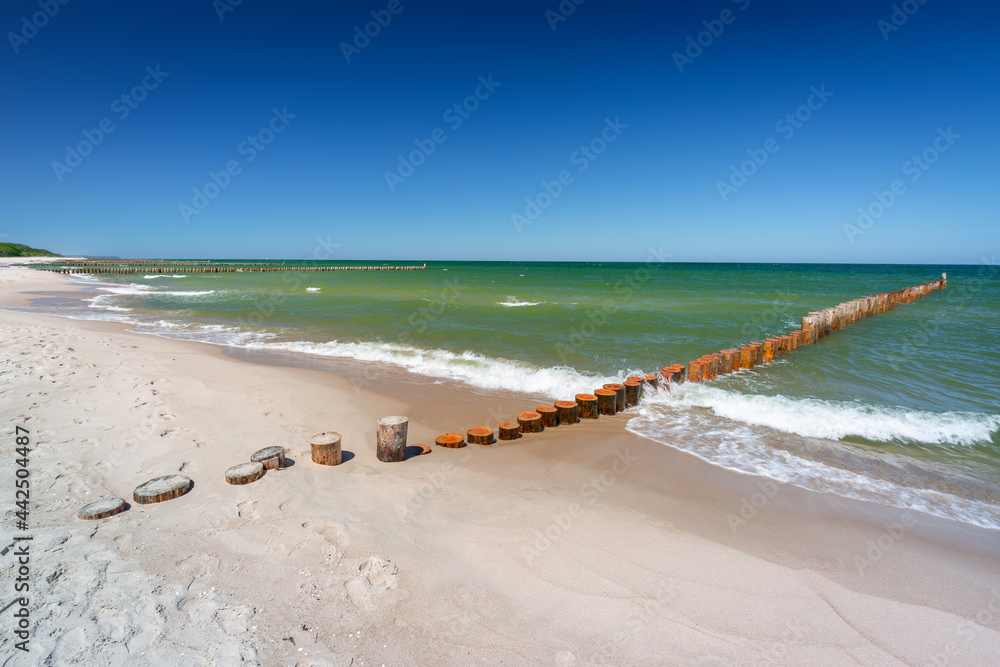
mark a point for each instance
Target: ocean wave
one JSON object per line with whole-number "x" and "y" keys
{"x": 739, "y": 448}
{"x": 163, "y": 275}
{"x": 836, "y": 420}
{"x": 312, "y": 289}
{"x": 468, "y": 367}
{"x": 512, "y": 302}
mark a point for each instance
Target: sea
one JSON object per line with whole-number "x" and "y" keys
{"x": 901, "y": 409}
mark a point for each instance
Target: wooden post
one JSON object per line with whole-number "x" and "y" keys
{"x": 244, "y": 473}
{"x": 392, "y": 439}
{"x": 102, "y": 509}
{"x": 326, "y": 448}
{"x": 728, "y": 358}
{"x": 607, "y": 401}
{"x": 746, "y": 357}
{"x": 550, "y": 415}
{"x": 769, "y": 346}
{"x": 588, "y": 406}
{"x": 569, "y": 412}
{"x": 633, "y": 390}
{"x": 619, "y": 390}
{"x": 160, "y": 489}
{"x": 635, "y": 378}
{"x": 271, "y": 457}
{"x": 450, "y": 440}
{"x": 530, "y": 422}
{"x": 510, "y": 430}
{"x": 944, "y": 280}
{"x": 480, "y": 435}
{"x": 696, "y": 370}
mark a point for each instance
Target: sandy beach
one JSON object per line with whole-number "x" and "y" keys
{"x": 583, "y": 545}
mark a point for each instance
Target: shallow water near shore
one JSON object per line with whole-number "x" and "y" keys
{"x": 901, "y": 409}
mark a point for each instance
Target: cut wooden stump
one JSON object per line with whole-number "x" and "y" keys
{"x": 550, "y": 415}
{"x": 633, "y": 390}
{"x": 746, "y": 357}
{"x": 607, "y": 401}
{"x": 588, "y": 406}
{"x": 271, "y": 457}
{"x": 480, "y": 435}
{"x": 770, "y": 347}
{"x": 326, "y": 448}
{"x": 103, "y": 508}
{"x": 569, "y": 412}
{"x": 619, "y": 390}
{"x": 652, "y": 380}
{"x": 728, "y": 357}
{"x": 450, "y": 440}
{"x": 392, "y": 439}
{"x": 244, "y": 473}
{"x": 696, "y": 371}
{"x": 530, "y": 422}
{"x": 160, "y": 489}
{"x": 635, "y": 378}
{"x": 510, "y": 430}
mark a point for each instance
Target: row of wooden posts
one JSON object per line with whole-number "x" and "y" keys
{"x": 610, "y": 399}
{"x": 815, "y": 325}
{"x": 241, "y": 268}
{"x": 159, "y": 262}
{"x": 613, "y": 398}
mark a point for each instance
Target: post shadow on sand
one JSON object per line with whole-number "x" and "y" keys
{"x": 413, "y": 451}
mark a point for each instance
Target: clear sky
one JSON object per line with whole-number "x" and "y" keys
{"x": 718, "y": 131}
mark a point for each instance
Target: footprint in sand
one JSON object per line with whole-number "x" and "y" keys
{"x": 273, "y": 414}
{"x": 295, "y": 428}
{"x": 334, "y": 533}
{"x": 290, "y": 505}
{"x": 36, "y": 394}
{"x": 187, "y": 466}
{"x": 93, "y": 442}
{"x": 169, "y": 433}
{"x": 197, "y": 567}
{"x": 248, "y": 509}
{"x": 80, "y": 421}
{"x": 202, "y": 442}
{"x": 103, "y": 466}
{"x": 167, "y": 416}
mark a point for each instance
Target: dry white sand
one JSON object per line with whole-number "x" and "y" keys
{"x": 581, "y": 545}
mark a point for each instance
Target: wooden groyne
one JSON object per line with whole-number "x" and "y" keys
{"x": 216, "y": 267}
{"x": 613, "y": 398}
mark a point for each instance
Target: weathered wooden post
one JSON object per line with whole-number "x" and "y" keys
{"x": 633, "y": 390}
{"x": 478, "y": 435}
{"x": 271, "y": 457}
{"x": 326, "y": 448}
{"x": 450, "y": 440}
{"x": 244, "y": 473}
{"x": 160, "y": 489}
{"x": 569, "y": 412}
{"x": 510, "y": 430}
{"x": 550, "y": 415}
{"x": 102, "y": 509}
{"x": 607, "y": 401}
{"x": 530, "y": 422}
{"x": 619, "y": 390}
{"x": 392, "y": 439}
{"x": 588, "y": 406}
{"x": 696, "y": 370}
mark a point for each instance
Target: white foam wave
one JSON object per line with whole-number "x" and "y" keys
{"x": 312, "y": 289}
{"x": 741, "y": 449}
{"x": 468, "y": 367}
{"x": 512, "y": 302}
{"x": 163, "y": 275}
{"x": 836, "y": 420}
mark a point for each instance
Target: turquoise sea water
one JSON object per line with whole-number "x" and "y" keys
{"x": 901, "y": 409}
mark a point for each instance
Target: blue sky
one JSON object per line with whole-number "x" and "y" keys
{"x": 693, "y": 153}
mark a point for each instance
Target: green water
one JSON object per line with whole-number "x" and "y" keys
{"x": 918, "y": 386}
